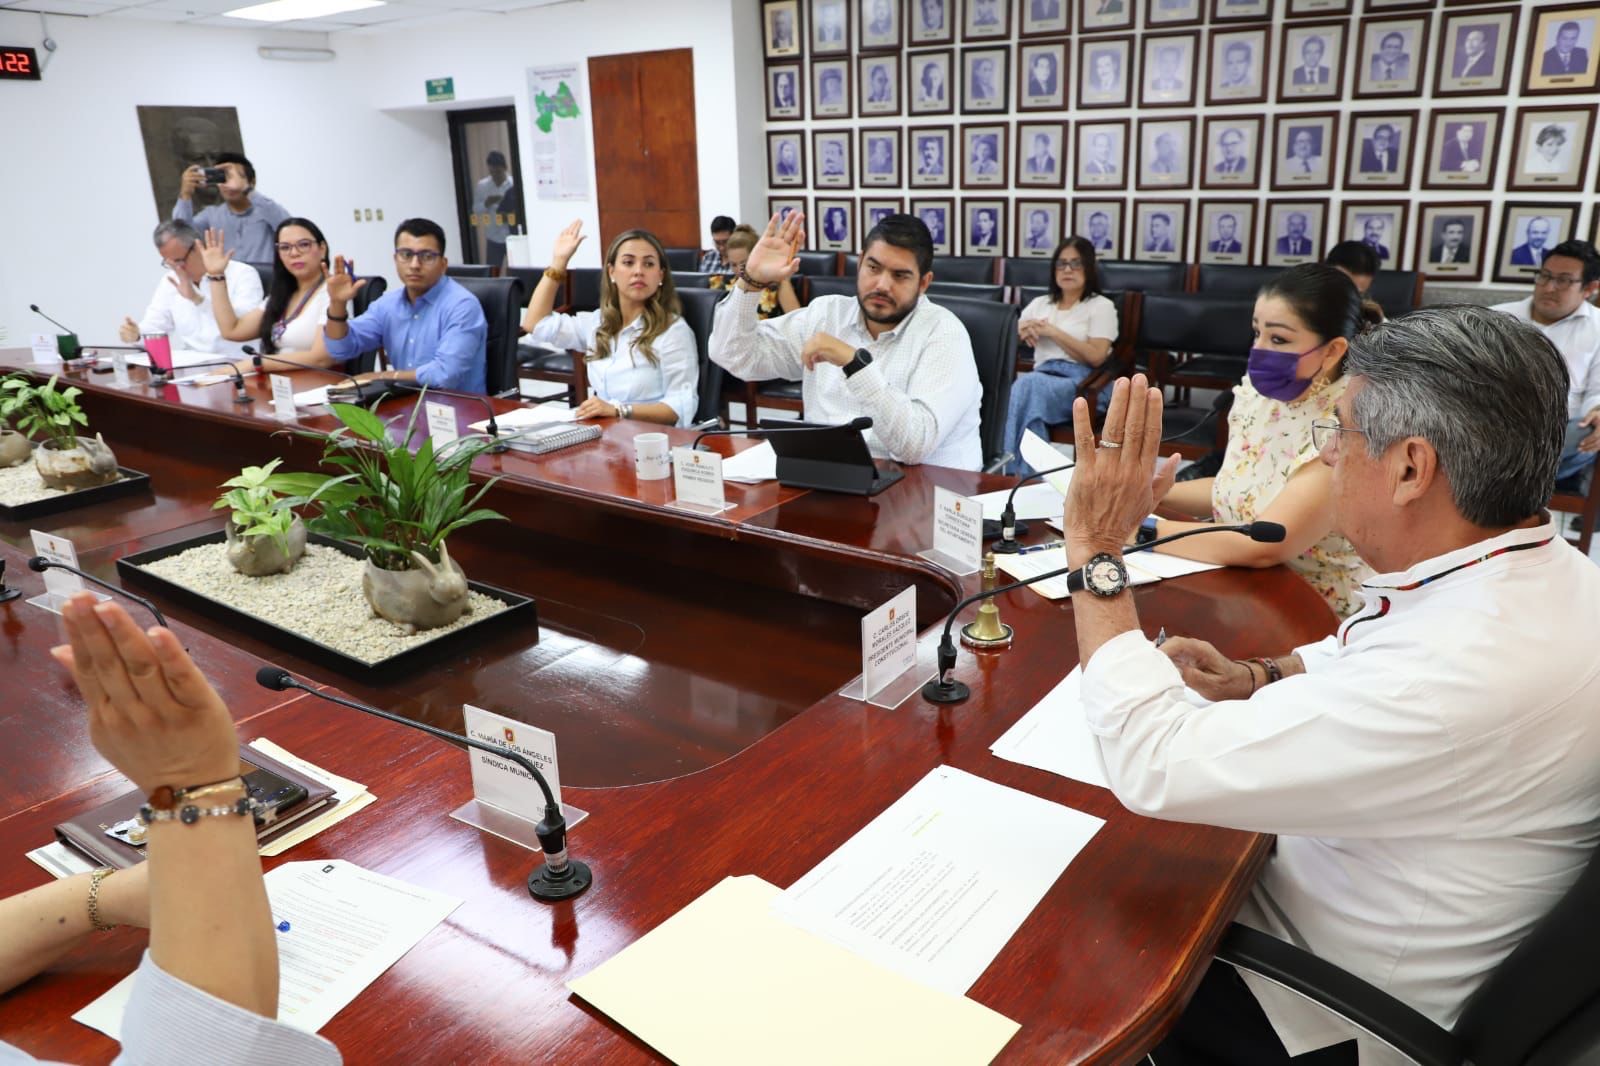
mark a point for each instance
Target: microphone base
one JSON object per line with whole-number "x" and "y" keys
{"x": 937, "y": 691}
{"x": 1005, "y": 547}
{"x": 243, "y": 398}
{"x": 543, "y": 885}
{"x": 499, "y": 447}
{"x": 9, "y": 594}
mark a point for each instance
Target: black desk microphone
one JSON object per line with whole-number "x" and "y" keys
{"x": 241, "y": 395}
{"x": 39, "y": 564}
{"x": 35, "y": 309}
{"x": 6, "y": 592}
{"x": 493, "y": 428}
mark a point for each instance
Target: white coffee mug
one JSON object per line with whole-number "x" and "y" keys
{"x": 650, "y": 456}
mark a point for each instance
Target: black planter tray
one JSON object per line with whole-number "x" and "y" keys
{"x": 131, "y": 481}
{"x": 519, "y": 611}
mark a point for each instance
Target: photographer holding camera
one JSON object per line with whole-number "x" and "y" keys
{"x": 247, "y": 219}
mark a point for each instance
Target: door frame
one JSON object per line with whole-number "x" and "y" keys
{"x": 461, "y": 167}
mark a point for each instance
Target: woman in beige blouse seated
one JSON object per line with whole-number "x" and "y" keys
{"x": 778, "y": 299}
{"x": 1303, "y": 322}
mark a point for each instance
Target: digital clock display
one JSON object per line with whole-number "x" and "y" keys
{"x": 18, "y": 64}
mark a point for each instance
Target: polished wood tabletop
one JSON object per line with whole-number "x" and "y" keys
{"x": 689, "y": 667}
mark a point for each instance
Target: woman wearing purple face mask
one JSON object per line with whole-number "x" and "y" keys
{"x": 1303, "y": 322}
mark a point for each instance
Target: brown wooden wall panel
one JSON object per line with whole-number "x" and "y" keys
{"x": 647, "y": 173}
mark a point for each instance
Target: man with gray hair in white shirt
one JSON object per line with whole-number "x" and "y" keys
{"x": 1432, "y": 770}
{"x": 888, "y": 353}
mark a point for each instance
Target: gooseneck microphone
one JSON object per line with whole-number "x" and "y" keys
{"x": 258, "y": 358}
{"x": 944, "y": 689}
{"x": 35, "y": 309}
{"x": 39, "y": 564}
{"x": 241, "y": 395}
{"x": 860, "y": 424}
{"x": 1007, "y": 544}
{"x": 493, "y": 428}
{"x": 559, "y": 877}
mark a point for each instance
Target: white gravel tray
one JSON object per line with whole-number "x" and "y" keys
{"x": 22, "y": 484}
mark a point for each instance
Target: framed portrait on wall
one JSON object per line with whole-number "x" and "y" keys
{"x": 830, "y": 28}
{"x": 930, "y": 166}
{"x": 928, "y": 90}
{"x": 875, "y": 209}
{"x": 983, "y": 227}
{"x": 1462, "y": 149}
{"x": 1163, "y": 13}
{"x": 1100, "y": 223}
{"x": 780, "y": 24}
{"x": 1102, "y": 155}
{"x": 1241, "y": 10}
{"x": 1104, "y": 71}
{"x": 878, "y": 24}
{"x": 1396, "y": 5}
{"x": 1039, "y": 227}
{"x": 983, "y": 80}
{"x": 880, "y": 157}
{"x": 939, "y": 216}
{"x": 1552, "y": 146}
{"x": 1166, "y": 158}
{"x": 1238, "y": 66}
{"x": 830, "y": 88}
{"x": 835, "y": 224}
{"x": 985, "y": 19}
{"x": 1563, "y": 50}
{"x": 1103, "y": 15}
{"x": 784, "y": 206}
{"x": 878, "y": 83}
{"x": 1450, "y": 240}
{"x": 1227, "y": 231}
{"x": 1303, "y": 156}
{"x": 1381, "y": 149}
{"x": 830, "y": 158}
{"x": 1380, "y": 225}
{"x": 1041, "y": 155}
{"x": 1042, "y": 76}
{"x": 785, "y": 96}
{"x": 1311, "y": 61}
{"x": 983, "y": 156}
{"x": 1474, "y": 52}
{"x": 1303, "y": 8}
{"x": 1232, "y": 154}
{"x": 1294, "y": 232}
{"x": 932, "y": 21}
{"x": 1391, "y": 57}
{"x": 1528, "y": 233}
{"x": 1045, "y": 18}
{"x": 786, "y": 158}
{"x": 1160, "y": 229}
{"x": 1169, "y": 66}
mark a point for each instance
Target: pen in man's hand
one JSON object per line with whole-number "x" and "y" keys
{"x": 1161, "y": 636}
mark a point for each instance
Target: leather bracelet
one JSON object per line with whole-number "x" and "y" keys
{"x": 1251, "y": 671}
{"x": 338, "y": 318}
{"x": 1270, "y": 668}
{"x": 217, "y": 277}
{"x": 555, "y": 273}
{"x": 98, "y": 924}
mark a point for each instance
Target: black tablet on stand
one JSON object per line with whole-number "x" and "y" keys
{"x": 833, "y": 458}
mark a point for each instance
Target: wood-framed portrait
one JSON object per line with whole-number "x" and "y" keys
{"x": 1160, "y": 230}
{"x": 1238, "y": 66}
{"x": 786, "y": 97}
{"x": 1227, "y": 232}
{"x": 1474, "y": 52}
{"x": 880, "y": 157}
{"x": 1041, "y": 155}
{"x": 1169, "y": 66}
{"x": 1381, "y": 149}
{"x": 1528, "y": 233}
{"x": 830, "y": 88}
{"x": 874, "y": 209}
{"x": 1241, "y": 10}
{"x": 1105, "y": 72}
{"x": 1305, "y": 144}
{"x": 1551, "y": 148}
{"x": 1563, "y": 50}
{"x": 1233, "y": 153}
{"x": 939, "y": 216}
{"x": 930, "y": 164}
{"x": 786, "y": 158}
{"x": 1380, "y": 6}
{"x": 1102, "y": 157}
{"x": 1163, "y": 14}
{"x": 1166, "y": 153}
{"x": 835, "y": 225}
{"x": 1380, "y": 225}
{"x": 830, "y": 28}
{"x": 1045, "y": 18}
{"x": 1294, "y": 232}
{"x": 1462, "y": 149}
{"x": 1101, "y": 16}
{"x": 784, "y": 206}
{"x": 1042, "y": 76}
{"x": 878, "y": 84}
{"x": 1450, "y": 239}
{"x": 928, "y": 86}
{"x": 1040, "y": 226}
{"x": 1311, "y": 61}
{"x": 1100, "y": 223}
{"x": 985, "y": 20}
{"x": 877, "y": 24}
{"x": 984, "y": 73}
{"x": 931, "y": 21}
{"x": 780, "y": 25}
{"x": 983, "y": 227}
{"x": 1311, "y": 8}
{"x": 830, "y": 159}
{"x": 1391, "y": 57}
{"x": 983, "y": 155}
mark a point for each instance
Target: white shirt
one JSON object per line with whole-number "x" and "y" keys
{"x": 627, "y": 375}
{"x": 487, "y": 198}
{"x": 193, "y": 326}
{"x": 301, "y": 333}
{"x": 1094, "y": 317}
{"x": 1577, "y": 337}
{"x": 1433, "y": 777}
{"x": 921, "y": 389}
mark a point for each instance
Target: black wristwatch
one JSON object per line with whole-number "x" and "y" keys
{"x": 862, "y": 360}
{"x": 1103, "y": 575}
{"x": 1147, "y": 531}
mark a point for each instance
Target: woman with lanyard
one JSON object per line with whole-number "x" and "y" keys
{"x": 288, "y": 325}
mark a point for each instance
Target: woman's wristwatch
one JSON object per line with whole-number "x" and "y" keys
{"x": 624, "y": 410}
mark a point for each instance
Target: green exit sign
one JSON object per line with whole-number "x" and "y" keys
{"x": 441, "y": 89}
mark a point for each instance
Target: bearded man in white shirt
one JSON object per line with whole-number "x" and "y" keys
{"x": 888, "y": 353}
{"x": 1432, "y": 770}
{"x": 181, "y": 304}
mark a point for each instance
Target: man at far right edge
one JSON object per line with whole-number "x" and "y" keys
{"x": 1432, "y": 770}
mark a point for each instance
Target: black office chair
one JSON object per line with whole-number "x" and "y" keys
{"x": 265, "y": 270}
{"x": 825, "y": 286}
{"x": 819, "y": 264}
{"x": 469, "y": 270}
{"x": 699, "y": 305}
{"x": 1397, "y": 291}
{"x": 683, "y": 259}
{"x": 1144, "y": 277}
{"x": 583, "y": 289}
{"x": 968, "y": 269}
{"x": 530, "y": 278}
{"x": 365, "y": 297}
{"x": 1194, "y": 340}
{"x": 849, "y": 266}
{"x": 961, "y": 288}
{"x": 502, "y": 300}
{"x": 1034, "y": 273}
{"x": 1224, "y": 279}
{"x": 690, "y": 279}
{"x": 992, "y": 325}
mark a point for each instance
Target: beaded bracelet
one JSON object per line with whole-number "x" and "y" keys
{"x": 189, "y": 814}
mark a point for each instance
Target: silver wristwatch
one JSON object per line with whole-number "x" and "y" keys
{"x": 1103, "y": 575}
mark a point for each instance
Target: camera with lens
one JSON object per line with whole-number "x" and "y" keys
{"x": 214, "y": 175}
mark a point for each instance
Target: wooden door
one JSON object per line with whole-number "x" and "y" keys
{"x": 646, "y": 175}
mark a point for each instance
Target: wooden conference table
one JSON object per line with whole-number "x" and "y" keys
{"x": 689, "y": 667}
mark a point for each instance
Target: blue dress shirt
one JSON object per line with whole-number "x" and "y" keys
{"x": 442, "y": 336}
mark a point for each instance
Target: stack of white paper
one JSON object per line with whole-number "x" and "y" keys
{"x": 1054, "y": 736}
{"x": 1033, "y": 502}
{"x": 751, "y": 466}
{"x": 1144, "y": 568}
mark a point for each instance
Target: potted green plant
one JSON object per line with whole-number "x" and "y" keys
{"x": 399, "y": 507}
{"x": 264, "y": 535}
{"x": 15, "y": 448}
{"x": 66, "y": 459}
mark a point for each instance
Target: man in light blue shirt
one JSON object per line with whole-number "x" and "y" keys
{"x": 432, "y": 330}
{"x": 248, "y": 220}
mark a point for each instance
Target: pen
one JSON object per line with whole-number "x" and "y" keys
{"x": 1042, "y": 547}
{"x": 1161, "y": 636}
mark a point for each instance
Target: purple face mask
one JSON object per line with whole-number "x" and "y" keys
{"x": 1272, "y": 373}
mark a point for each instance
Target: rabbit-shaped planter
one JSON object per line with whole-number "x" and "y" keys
{"x": 425, "y": 597}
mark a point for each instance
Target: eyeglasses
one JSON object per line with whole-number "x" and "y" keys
{"x": 285, "y": 247}
{"x": 1560, "y": 281}
{"x": 174, "y": 264}
{"x": 1325, "y": 431}
{"x": 1068, "y": 266}
{"x": 426, "y": 257}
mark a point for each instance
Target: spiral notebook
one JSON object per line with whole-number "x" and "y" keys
{"x": 552, "y": 436}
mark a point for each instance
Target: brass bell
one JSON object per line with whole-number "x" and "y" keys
{"x": 987, "y": 631}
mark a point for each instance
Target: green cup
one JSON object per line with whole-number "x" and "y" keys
{"x": 67, "y": 345}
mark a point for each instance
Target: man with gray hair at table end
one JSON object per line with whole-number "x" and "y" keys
{"x": 181, "y": 305}
{"x": 1431, "y": 770}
